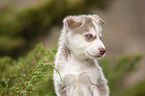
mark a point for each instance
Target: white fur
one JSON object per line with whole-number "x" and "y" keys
{"x": 80, "y": 72}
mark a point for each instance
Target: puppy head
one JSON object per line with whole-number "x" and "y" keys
{"x": 83, "y": 35}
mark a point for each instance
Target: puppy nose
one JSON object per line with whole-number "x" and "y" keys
{"x": 102, "y": 51}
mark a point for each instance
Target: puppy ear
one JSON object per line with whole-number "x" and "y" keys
{"x": 96, "y": 18}
{"x": 71, "y": 23}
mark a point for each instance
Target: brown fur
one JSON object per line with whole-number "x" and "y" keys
{"x": 85, "y": 26}
{"x": 102, "y": 87}
{"x": 79, "y": 26}
{"x": 62, "y": 89}
{"x": 67, "y": 52}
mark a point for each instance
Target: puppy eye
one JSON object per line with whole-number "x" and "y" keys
{"x": 89, "y": 36}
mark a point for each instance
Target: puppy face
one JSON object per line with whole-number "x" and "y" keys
{"x": 83, "y": 37}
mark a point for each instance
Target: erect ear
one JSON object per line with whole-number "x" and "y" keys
{"x": 71, "y": 23}
{"x": 96, "y": 18}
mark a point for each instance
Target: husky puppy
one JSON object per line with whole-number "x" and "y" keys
{"x": 79, "y": 47}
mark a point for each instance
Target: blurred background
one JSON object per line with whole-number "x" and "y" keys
{"x": 25, "y": 23}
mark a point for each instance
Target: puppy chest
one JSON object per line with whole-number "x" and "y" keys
{"x": 84, "y": 77}
{"x": 77, "y": 79}
{"x": 76, "y": 72}
{"x": 74, "y": 65}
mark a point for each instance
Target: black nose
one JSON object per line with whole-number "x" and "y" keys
{"x": 102, "y": 51}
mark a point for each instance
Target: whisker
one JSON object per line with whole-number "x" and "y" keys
{"x": 108, "y": 51}
{"x": 106, "y": 29}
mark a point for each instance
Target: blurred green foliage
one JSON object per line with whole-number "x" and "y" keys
{"x": 136, "y": 90}
{"x": 115, "y": 74}
{"x": 24, "y": 76}
{"x": 19, "y": 29}
{"x": 32, "y": 75}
